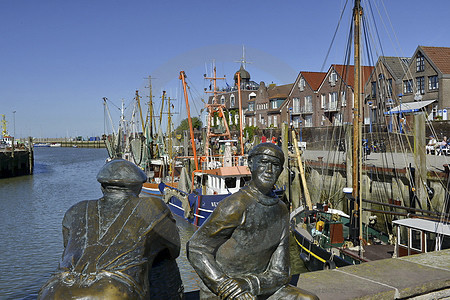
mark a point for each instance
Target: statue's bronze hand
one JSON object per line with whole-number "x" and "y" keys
{"x": 245, "y": 296}
{"x": 234, "y": 288}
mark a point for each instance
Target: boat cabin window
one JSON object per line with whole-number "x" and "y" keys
{"x": 431, "y": 241}
{"x": 416, "y": 239}
{"x": 244, "y": 180}
{"x": 230, "y": 182}
{"x": 403, "y": 236}
{"x": 445, "y": 242}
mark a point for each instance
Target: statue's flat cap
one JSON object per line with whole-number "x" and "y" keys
{"x": 267, "y": 149}
{"x": 121, "y": 172}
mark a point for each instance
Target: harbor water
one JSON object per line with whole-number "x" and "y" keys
{"x": 32, "y": 211}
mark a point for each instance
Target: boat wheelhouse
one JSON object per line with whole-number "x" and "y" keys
{"x": 416, "y": 236}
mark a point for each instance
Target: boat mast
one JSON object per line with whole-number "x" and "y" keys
{"x": 162, "y": 108}
{"x": 241, "y": 119}
{"x": 149, "y": 117}
{"x": 191, "y": 129}
{"x": 357, "y": 132}
{"x": 169, "y": 135}
{"x": 4, "y": 131}
{"x": 215, "y": 106}
{"x": 138, "y": 100}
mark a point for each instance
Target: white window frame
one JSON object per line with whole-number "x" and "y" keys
{"x": 411, "y": 239}
{"x": 308, "y": 121}
{"x": 323, "y": 101}
{"x": 435, "y": 86}
{"x": 344, "y": 98}
{"x": 308, "y": 103}
{"x": 296, "y": 105}
{"x": 232, "y": 101}
{"x": 301, "y": 84}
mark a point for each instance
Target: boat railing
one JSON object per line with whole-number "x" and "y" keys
{"x": 217, "y": 161}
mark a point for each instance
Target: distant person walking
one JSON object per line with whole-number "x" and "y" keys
{"x": 263, "y": 139}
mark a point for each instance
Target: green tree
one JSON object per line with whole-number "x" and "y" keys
{"x": 184, "y": 125}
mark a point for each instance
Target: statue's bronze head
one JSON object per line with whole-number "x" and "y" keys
{"x": 268, "y": 149}
{"x": 266, "y": 164}
{"x": 120, "y": 173}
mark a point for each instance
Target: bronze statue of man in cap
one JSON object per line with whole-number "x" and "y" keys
{"x": 242, "y": 250}
{"x": 112, "y": 244}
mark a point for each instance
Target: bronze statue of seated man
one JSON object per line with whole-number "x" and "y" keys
{"x": 242, "y": 250}
{"x": 112, "y": 244}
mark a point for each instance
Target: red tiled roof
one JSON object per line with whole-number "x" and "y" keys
{"x": 229, "y": 171}
{"x": 440, "y": 57}
{"x": 349, "y": 76}
{"x": 314, "y": 79}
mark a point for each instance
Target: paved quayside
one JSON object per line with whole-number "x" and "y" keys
{"x": 422, "y": 276}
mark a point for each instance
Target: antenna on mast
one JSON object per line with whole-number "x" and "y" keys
{"x": 243, "y": 61}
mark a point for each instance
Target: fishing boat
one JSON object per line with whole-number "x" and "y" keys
{"x": 216, "y": 175}
{"x": 329, "y": 238}
{"x": 135, "y": 141}
{"x": 41, "y": 145}
{"x": 417, "y": 235}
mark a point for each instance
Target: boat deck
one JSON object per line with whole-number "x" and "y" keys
{"x": 374, "y": 252}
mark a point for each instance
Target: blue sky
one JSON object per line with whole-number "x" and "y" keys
{"x": 58, "y": 59}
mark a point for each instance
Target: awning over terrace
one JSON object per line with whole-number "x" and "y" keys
{"x": 409, "y": 107}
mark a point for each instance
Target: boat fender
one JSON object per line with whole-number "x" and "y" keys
{"x": 319, "y": 225}
{"x": 329, "y": 265}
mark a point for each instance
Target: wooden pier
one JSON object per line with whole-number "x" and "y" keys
{"x": 16, "y": 162}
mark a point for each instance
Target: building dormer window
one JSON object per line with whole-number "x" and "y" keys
{"x": 274, "y": 104}
{"x": 232, "y": 101}
{"x": 222, "y": 100}
{"x": 251, "y": 96}
{"x": 420, "y": 62}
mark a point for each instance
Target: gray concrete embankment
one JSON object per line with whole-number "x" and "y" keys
{"x": 386, "y": 179}
{"x": 422, "y": 276}
{"x": 396, "y": 160}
